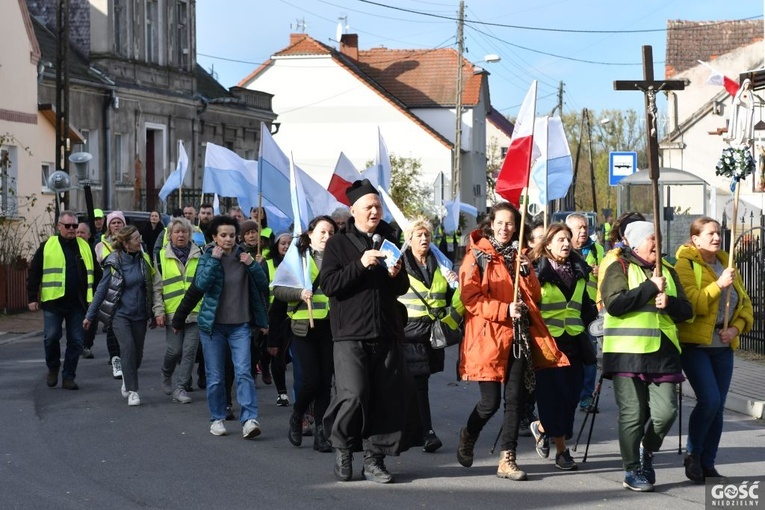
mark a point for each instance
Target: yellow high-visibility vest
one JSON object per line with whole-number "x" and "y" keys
{"x": 639, "y": 331}
{"x": 559, "y": 315}
{"x": 176, "y": 280}
{"x": 54, "y": 269}
{"x": 319, "y": 302}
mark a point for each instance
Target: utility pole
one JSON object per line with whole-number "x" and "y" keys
{"x": 456, "y": 170}
{"x": 62, "y": 88}
{"x": 558, "y": 106}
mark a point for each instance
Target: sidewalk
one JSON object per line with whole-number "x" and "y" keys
{"x": 746, "y": 395}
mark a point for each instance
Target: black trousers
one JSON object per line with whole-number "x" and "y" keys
{"x": 314, "y": 353}
{"x": 491, "y": 393}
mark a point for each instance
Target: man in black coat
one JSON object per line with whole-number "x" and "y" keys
{"x": 370, "y": 407}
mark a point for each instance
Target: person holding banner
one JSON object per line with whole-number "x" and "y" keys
{"x": 641, "y": 350}
{"x": 707, "y": 343}
{"x": 311, "y": 343}
{"x": 370, "y": 407}
{"x": 493, "y": 353}
{"x": 429, "y": 291}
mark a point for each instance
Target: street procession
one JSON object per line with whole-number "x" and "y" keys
{"x": 249, "y": 250}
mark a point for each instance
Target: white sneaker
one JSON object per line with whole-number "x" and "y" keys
{"x": 180, "y": 396}
{"x": 134, "y": 399}
{"x": 117, "y": 367}
{"x": 251, "y": 429}
{"x": 218, "y": 428}
{"x": 124, "y": 390}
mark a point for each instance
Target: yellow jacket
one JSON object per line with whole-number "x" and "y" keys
{"x": 705, "y": 298}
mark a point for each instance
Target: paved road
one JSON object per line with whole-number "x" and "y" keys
{"x": 87, "y": 449}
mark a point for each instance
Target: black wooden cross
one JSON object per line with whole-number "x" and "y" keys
{"x": 650, "y": 87}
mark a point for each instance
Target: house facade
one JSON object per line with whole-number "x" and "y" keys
{"x": 136, "y": 90}
{"x": 334, "y": 100}
{"x": 699, "y": 114}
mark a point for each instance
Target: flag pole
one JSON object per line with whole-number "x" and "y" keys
{"x": 731, "y": 254}
{"x": 260, "y": 211}
{"x": 524, "y": 200}
{"x": 304, "y": 259}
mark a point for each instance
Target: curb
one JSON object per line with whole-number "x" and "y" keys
{"x": 12, "y": 338}
{"x": 736, "y": 403}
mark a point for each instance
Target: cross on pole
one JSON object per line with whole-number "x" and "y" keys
{"x": 650, "y": 87}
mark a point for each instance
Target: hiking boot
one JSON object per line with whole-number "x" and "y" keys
{"x": 69, "y": 384}
{"x": 180, "y": 396}
{"x": 320, "y": 443}
{"x": 218, "y": 428}
{"x": 250, "y": 429}
{"x": 542, "y": 442}
{"x": 295, "y": 432}
{"x": 565, "y": 461}
{"x": 282, "y": 400}
{"x": 374, "y": 469}
{"x": 585, "y": 403}
{"x": 693, "y": 469}
{"x": 167, "y": 384}
{"x": 646, "y": 464}
{"x": 432, "y": 443}
{"x": 465, "y": 447}
{"x": 116, "y": 367}
{"x": 343, "y": 464}
{"x": 52, "y": 379}
{"x": 87, "y": 353}
{"x": 508, "y": 468}
{"x": 635, "y": 481}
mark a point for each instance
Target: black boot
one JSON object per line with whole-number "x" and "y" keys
{"x": 295, "y": 434}
{"x": 343, "y": 464}
{"x": 693, "y": 468}
{"x": 320, "y": 443}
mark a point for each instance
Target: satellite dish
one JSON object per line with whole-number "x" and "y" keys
{"x": 339, "y": 32}
{"x": 59, "y": 181}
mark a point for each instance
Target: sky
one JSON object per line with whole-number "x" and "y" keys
{"x": 235, "y": 36}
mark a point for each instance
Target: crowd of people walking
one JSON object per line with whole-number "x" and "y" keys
{"x": 359, "y": 330}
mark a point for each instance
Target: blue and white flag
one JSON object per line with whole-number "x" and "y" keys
{"x": 273, "y": 175}
{"x": 553, "y": 171}
{"x": 379, "y": 174}
{"x": 229, "y": 175}
{"x": 391, "y": 210}
{"x": 175, "y": 179}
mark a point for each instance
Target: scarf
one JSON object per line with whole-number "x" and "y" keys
{"x": 181, "y": 253}
{"x": 565, "y": 272}
{"x": 521, "y": 332}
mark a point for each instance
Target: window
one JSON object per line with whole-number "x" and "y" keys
{"x": 182, "y": 34}
{"x": 91, "y": 145}
{"x": 9, "y": 173}
{"x": 121, "y": 35}
{"x": 120, "y": 163}
{"x": 152, "y": 31}
{"x": 46, "y": 170}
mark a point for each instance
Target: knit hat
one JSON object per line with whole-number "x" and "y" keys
{"x": 114, "y": 215}
{"x": 637, "y": 232}
{"x": 247, "y": 226}
{"x": 358, "y": 189}
{"x": 98, "y": 213}
{"x": 282, "y": 234}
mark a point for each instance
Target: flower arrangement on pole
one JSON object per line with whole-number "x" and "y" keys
{"x": 736, "y": 164}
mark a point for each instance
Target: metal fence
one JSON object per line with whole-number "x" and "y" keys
{"x": 750, "y": 262}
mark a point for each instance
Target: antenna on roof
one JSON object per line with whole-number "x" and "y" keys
{"x": 212, "y": 71}
{"x": 300, "y": 25}
{"x": 342, "y": 28}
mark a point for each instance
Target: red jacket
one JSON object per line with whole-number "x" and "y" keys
{"x": 486, "y": 348}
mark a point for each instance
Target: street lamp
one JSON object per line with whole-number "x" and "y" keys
{"x": 491, "y": 59}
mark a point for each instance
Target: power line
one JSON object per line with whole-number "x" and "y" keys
{"x": 546, "y": 29}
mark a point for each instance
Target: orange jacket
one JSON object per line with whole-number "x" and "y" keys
{"x": 486, "y": 348}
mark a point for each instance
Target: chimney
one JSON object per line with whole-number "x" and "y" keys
{"x": 296, "y": 38}
{"x": 349, "y": 45}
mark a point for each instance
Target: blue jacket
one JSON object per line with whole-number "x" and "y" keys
{"x": 209, "y": 279}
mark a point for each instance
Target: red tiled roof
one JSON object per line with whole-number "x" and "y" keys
{"x": 422, "y": 78}
{"x": 689, "y": 41}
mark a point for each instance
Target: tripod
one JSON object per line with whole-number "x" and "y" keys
{"x": 592, "y": 409}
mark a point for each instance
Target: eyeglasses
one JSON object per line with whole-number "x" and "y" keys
{"x": 69, "y": 225}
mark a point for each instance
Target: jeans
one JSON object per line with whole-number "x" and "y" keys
{"x": 52, "y": 340}
{"x": 646, "y": 413}
{"x": 181, "y": 348}
{"x": 237, "y": 337}
{"x": 709, "y": 370}
{"x": 131, "y": 336}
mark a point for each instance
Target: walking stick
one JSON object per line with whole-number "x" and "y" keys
{"x": 592, "y": 409}
{"x": 680, "y": 419}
